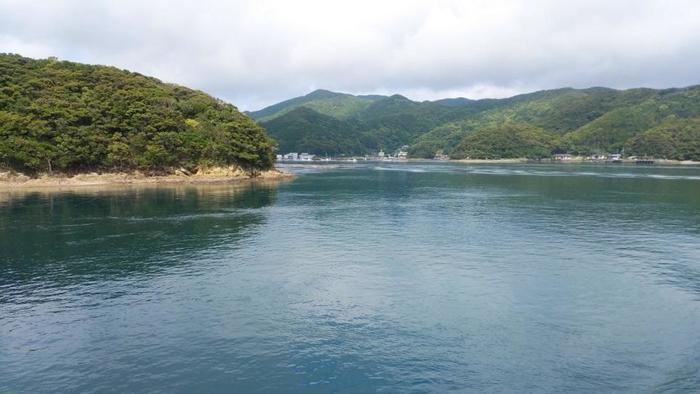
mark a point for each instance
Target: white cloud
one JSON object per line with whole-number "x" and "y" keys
{"x": 256, "y": 52}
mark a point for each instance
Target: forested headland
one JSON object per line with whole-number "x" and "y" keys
{"x": 60, "y": 116}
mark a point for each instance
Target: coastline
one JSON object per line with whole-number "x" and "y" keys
{"x": 490, "y": 161}
{"x": 664, "y": 162}
{"x": 659, "y": 162}
{"x": 10, "y": 181}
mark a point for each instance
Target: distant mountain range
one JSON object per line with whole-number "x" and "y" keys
{"x": 644, "y": 122}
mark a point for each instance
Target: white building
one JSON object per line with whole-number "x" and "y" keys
{"x": 440, "y": 155}
{"x": 402, "y": 152}
{"x": 306, "y": 157}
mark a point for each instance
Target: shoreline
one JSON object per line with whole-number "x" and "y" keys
{"x": 491, "y": 161}
{"x": 11, "y": 182}
{"x": 659, "y": 162}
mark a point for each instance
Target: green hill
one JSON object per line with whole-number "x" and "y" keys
{"x": 560, "y": 112}
{"x": 612, "y": 130}
{"x": 59, "y": 115}
{"x": 385, "y": 123}
{"x": 675, "y": 138}
{"x": 338, "y": 105}
{"x": 507, "y": 140}
{"x": 579, "y": 121}
{"x": 305, "y": 130}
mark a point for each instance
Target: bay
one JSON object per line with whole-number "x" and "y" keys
{"x": 370, "y": 277}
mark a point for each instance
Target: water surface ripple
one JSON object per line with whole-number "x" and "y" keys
{"x": 388, "y": 277}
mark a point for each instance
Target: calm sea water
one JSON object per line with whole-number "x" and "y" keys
{"x": 359, "y": 278}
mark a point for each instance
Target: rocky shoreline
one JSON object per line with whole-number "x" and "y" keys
{"x": 13, "y": 181}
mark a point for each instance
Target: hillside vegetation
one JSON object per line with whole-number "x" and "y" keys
{"x": 305, "y": 130}
{"x": 70, "y": 117}
{"x": 508, "y": 140}
{"x": 677, "y": 139}
{"x": 338, "y": 105}
{"x": 383, "y": 123}
{"x": 578, "y": 121}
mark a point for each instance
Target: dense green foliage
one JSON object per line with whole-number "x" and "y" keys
{"x": 593, "y": 120}
{"x": 58, "y": 115}
{"x": 305, "y": 130}
{"x": 579, "y": 121}
{"x": 677, "y": 139}
{"x": 338, "y": 105}
{"x": 612, "y": 130}
{"x": 507, "y": 140}
{"x": 386, "y": 123}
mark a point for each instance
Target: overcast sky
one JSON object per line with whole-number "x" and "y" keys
{"x": 254, "y": 53}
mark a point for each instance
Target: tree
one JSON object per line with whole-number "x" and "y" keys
{"x": 57, "y": 115}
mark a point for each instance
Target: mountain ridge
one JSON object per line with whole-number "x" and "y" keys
{"x": 579, "y": 121}
{"x": 324, "y": 101}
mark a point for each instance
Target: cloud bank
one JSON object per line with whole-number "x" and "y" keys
{"x": 254, "y": 53}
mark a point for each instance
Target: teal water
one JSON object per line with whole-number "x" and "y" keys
{"x": 403, "y": 277}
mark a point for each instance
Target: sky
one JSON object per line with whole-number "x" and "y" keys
{"x": 255, "y": 53}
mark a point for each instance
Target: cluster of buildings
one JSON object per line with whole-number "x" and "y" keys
{"x": 614, "y": 157}
{"x": 399, "y": 154}
{"x": 402, "y": 154}
{"x": 296, "y": 157}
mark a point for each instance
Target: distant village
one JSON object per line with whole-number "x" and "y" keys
{"x": 402, "y": 154}
{"x": 602, "y": 158}
{"x": 399, "y": 154}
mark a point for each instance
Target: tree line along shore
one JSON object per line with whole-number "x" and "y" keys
{"x": 60, "y": 118}
{"x": 68, "y": 118}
